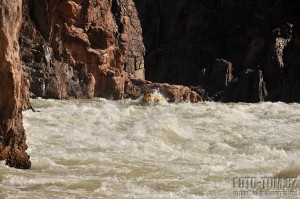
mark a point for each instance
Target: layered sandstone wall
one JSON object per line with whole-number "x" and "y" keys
{"x": 12, "y": 87}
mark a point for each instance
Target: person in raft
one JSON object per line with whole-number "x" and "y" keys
{"x": 146, "y": 96}
{"x": 151, "y": 97}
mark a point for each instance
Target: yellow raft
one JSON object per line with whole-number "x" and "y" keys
{"x": 152, "y": 97}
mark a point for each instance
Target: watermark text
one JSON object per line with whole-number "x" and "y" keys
{"x": 265, "y": 186}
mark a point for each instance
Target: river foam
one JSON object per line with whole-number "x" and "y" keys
{"x": 120, "y": 149}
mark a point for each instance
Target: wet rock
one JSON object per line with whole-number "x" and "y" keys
{"x": 274, "y": 66}
{"x": 290, "y": 84}
{"x": 173, "y": 93}
{"x": 221, "y": 74}
{"x": 12, "y": 88}
{"x": 202, "y": 92}
{"x": 250, "y": 87}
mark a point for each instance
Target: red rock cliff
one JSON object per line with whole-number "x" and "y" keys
{"x": 12, "y": 134}
{"x": 103, "y": 36}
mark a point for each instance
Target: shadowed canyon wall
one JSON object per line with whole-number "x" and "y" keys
{"x": 12, "y": 87}
{"x": 185, "y": 41}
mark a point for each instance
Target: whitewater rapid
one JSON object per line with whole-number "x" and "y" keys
{"x": 120, "y": 149}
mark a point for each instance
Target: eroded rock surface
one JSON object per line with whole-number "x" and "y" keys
{"x": 12, "y": 88}
{"x": 51, "y": 75}
{"x": 82, "y": 48}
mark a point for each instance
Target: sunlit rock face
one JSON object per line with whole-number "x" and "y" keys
{"x": 81, "y": 48}
{"x": 12, "y": 88}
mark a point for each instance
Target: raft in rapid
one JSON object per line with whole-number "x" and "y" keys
{"x": 153, "y": 97}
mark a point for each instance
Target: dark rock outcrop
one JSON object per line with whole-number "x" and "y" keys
{"x": 274, "y": 66}
{"x": 249, "y": 88}
{"x": 221, "y": 75}
{"x": 290, "y": 87}
{"x": 12, "y": 88}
